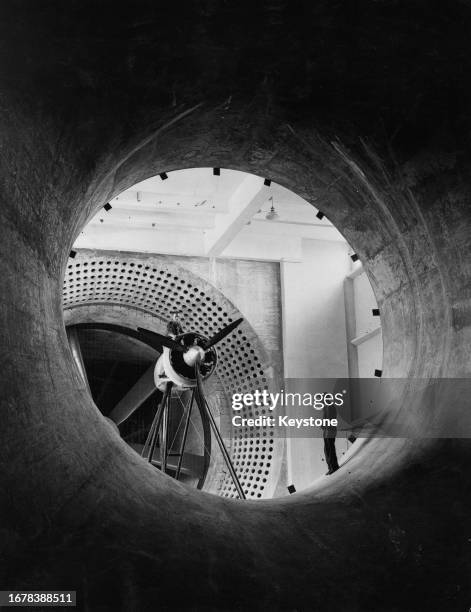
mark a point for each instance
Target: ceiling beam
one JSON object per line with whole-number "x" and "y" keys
{"x": 139, "y": 218}
{"x": 152, "y": 201}
{"x": 243, "y": 204}
{"x": 312, "y": 231}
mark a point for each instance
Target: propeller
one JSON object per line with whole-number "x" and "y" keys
{"x": 222, "y": 333}
{"x": 191, "y": 354}
{"x": 158, "y": 340}
{"x": 194, "y": 357}
{"x": 195, "y": 354}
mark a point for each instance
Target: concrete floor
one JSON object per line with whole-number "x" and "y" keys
{"x": 96, "y": 99}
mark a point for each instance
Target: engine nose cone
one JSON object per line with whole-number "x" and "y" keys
{"x": 194, "y": 355}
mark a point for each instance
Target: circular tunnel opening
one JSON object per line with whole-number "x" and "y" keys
{"x": 204, "y": 246}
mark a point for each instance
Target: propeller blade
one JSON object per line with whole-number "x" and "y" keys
{"x": 135, "y": 397}
{"x": 222, "y": 333}
{"x": 153, "y": 339}
{"x": 158, "y": 340}
{"x": 119, "y": 329}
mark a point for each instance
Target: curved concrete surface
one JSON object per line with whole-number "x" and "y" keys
{"x": 85, "y": 115}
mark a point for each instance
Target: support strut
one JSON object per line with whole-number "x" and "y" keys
{"x": 185, "y": 434}
{"x": 204, "y": 407}
{"x": 154, "y": 430}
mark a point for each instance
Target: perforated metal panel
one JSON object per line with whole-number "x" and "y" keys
{"x": 158, "y": 287}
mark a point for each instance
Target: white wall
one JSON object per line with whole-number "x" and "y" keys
{"x": 314, "y": 334}
{"x": 314, "y": 339}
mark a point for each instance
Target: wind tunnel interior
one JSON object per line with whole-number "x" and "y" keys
{"x": 211, "y": 248}
{"x": 97, "y": 99}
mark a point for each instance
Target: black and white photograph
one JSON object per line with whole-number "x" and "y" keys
{"x": 235, "y": 305}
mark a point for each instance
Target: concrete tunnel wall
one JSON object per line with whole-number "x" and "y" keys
{"x": 80, "y": 510}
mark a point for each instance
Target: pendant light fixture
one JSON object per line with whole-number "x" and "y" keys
{"x": 272, "y": 215}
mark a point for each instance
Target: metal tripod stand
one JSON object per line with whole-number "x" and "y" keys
{"x": 160, "y": 426}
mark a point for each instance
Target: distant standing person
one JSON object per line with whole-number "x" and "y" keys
{"x": 329, "y": 435}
